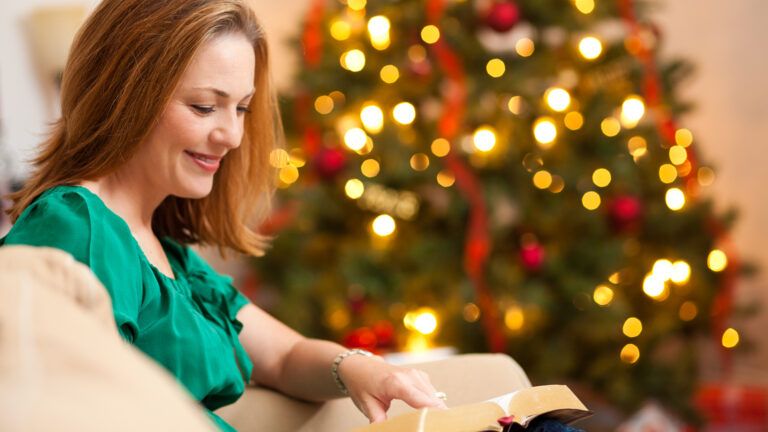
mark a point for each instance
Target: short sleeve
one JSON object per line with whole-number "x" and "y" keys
{"x": 68, "y": 221}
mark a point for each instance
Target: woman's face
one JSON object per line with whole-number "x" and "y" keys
{"x": 202, "y": 121}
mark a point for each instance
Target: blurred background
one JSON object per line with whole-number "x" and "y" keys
{"x": 576, "y": 183}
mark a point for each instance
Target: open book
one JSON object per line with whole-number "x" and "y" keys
{"x": 522, "y": 406}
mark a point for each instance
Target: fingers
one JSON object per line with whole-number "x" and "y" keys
{"x": 414, "y": 388}
{"x": 374, "y": 409}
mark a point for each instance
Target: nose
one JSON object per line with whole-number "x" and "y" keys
{"x": 228, "y": 131}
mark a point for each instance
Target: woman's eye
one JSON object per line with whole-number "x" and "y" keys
{"x": 203, "y": 109}
{"x": 243, "y": 109}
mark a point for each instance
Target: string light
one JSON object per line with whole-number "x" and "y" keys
{"x": 544, "y": 131}
{"x": 389, "y": 74}
{"x": 367, "y": 148}
{"x": 378, "y": 30}
{"x": 445, "y": 179}
{"x": 356, "y": 5}
{"x": 663, "y": 269}
{"x": 337, "y": 317}
{"x": 705, "y": 176}
{"x": 667, "y": 173}
{"x": 384, "y": 225}
{"x": 340, "y": 30}
{"x": 688, "y": 311}
{"x": 601, "y": 177}
{"x": 590, "y": 47}
{"x": 495, "y": 67}
{"x": 654, "y": 286}
{"x": 354, "y": 188}
{"x": 440, "y": 147}
{"x": 419, "y": 162}
{"x": 514, "y": 104}
{"x": 430, "y": 34}
{"x": 675, "y": 199}
{"x": 279, "y": 158}
{"x": 630, "y": 354}
{"x": 683, "y": 137}
{"x": 557, "y": 98}
{"x": 632, "y": 111}
{"x": 372, "y": 117}
{"x": 484, "y": 138}
{"x": 542, "y": 179}
{"x": 471, "y": 312}
{"x": 678, "y": 155}
{"x": 514, "y": 318}
{"x": 574, "y": 120}
{"x": 289, "y": 174}
{"x": 422, "y": 320}
{"x": 717, "y": 260}
{"x": 558, "y": 184}
{"x": 730, "y": 338}
{"x": 615, "y": 278}
{"x": 524, "y": 47}
{"x": 681, "y": 272}
{"x": 404, "y": 113}
{"x": 603, "y": 295}
{"x": 637, "y": 146}
{"x": 632, "y": 327}
{"x": 296, "y": 158}
{"x": 584, "y": 6}
{"x": 590, "y": 200}
{"x": 355, "y": 138}
{"x": 610, "y": 126}
{"x": 370, "y": 168}
{"x": 324, "y": 104}
{"x": 353, "y": 60}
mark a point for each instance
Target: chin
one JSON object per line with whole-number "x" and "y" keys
{"x": 195, "y": 191}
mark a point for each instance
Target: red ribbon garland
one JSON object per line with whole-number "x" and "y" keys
{"x": 667, "y": 126}
{"x": 478, "y": 242}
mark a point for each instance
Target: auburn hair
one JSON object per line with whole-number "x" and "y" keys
{"x": 123, "y": 67}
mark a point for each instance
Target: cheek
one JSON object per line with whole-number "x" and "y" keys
{"x": 182, "y": 130}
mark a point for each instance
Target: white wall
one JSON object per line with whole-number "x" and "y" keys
{"x": 724, "y": 40}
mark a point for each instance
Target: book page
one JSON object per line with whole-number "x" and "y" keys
{"x": 529, "y": 403}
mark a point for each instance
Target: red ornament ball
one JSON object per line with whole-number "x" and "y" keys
{"x": 625, "y": 212}
{"x": 532, "y": 256}
{"x": 502, "y": 16}
{"x": 329, "y": 162}
{"x": 362, "y": 337}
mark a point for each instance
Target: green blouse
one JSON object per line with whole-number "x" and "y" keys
{"x": 186, "y": 323}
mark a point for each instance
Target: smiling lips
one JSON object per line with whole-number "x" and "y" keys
{"x": 207, "y": 162}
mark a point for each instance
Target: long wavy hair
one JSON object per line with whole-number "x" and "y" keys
{"x": 123, "y": 67}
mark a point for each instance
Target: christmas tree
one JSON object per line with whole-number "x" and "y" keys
{"x": 500, "y": 175}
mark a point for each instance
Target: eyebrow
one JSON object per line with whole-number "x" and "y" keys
{"x": 222, "y": 93}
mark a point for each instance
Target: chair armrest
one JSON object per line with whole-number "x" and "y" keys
{"x": 464, "y": 378}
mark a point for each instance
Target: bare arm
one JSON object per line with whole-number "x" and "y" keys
{"x": 301, "y": 367}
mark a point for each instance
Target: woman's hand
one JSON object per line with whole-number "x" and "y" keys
{"x": 373, "y": 384}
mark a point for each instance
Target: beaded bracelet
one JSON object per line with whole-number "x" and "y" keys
{"x": 337, "y": 361}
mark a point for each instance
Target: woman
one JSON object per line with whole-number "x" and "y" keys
{"x": 167, "y": 124}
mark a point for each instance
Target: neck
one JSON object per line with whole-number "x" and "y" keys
{"x": 131, "y": 199}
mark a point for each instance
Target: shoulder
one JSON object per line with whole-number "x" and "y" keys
{"x": 73, "y": 219}
{"x": 61, "y": 217}
{"x": 70, "y": 218}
